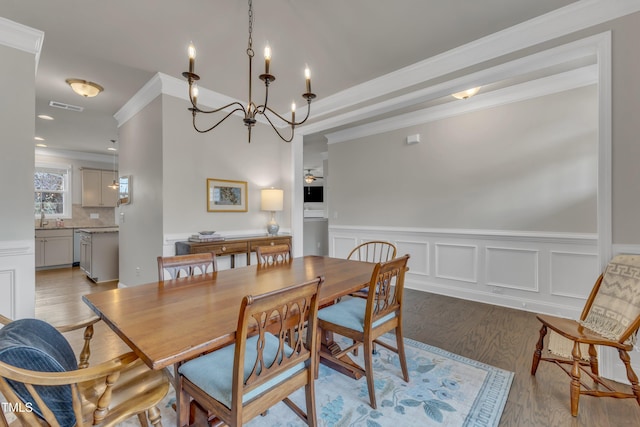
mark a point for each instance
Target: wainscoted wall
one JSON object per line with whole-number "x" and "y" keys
{"x": 541, "y": 272}
{"x": 17, "y": 268}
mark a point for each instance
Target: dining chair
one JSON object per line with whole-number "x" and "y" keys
{"x": 186, "y": 265}
{"x": 273, "y": 254}
{"x": 372, "y": 251}
{"x": 41, "y": 379}
{"x": 364, "y": 321}
{"x": 610, "y": 318}
{"x": 244, "y": 379}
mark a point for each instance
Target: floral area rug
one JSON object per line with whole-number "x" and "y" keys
{"x": 444, "y": 389}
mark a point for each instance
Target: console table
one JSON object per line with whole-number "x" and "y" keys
{"x": 232, "y": 246}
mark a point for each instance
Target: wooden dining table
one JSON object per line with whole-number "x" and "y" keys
{"x": 171, "y": 321}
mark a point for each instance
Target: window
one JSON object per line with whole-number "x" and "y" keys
{"x": 52, "y": 192}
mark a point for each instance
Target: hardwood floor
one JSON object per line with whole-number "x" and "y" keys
{"x": 498, "y": 336}
{"x": 59, "y": 301}
{"x": 506, "y": 338}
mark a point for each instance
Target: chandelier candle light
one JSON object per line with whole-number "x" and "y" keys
{"x": 251, "y": 110}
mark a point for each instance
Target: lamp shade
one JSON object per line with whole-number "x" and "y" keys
{"x": 272, "y": 199}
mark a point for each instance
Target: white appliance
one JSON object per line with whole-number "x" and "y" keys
{"x": 99, "y": 253}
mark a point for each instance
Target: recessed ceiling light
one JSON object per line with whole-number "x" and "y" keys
{"x": 45, "y": 117}
{"x": 41, "y": 145}
{"x": 38, "y": 138}
{"x": 112, "y": 149}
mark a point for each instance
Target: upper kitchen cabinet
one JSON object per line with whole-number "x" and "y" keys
{"x": 95, "y": 188}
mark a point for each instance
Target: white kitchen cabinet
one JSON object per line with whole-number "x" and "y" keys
{"x": 95, "y": 188}
{"x": 54, "y": 247}
{"x": 99, "y": 253}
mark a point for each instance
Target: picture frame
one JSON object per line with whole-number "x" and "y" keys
{"x": 225, "y": 195}
{"x": 124, "y": 190}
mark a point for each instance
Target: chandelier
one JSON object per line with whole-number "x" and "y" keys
{"x": 251, "y": 110}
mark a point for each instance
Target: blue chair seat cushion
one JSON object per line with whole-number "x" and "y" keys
{"x": 213, "y": 372}
{"x": 35, "y": 345}
{"x": 349, "y": 313}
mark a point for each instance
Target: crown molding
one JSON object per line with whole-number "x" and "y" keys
{"x": 566, "y": 20}
{"x": 141, "y": 99}
{"x": 532, "y": 89}
{"x": 574, "y": 51}
{"x": 162, "y": 83}
{"x": 21, "y": 37}
{"x": 569, "y": 19}
{"x": 74, "y": 155}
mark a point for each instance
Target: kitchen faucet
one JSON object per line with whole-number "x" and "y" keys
{"x": 42, "y": 221}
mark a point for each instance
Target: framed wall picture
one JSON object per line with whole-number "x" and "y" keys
{"x": 224, "y": 195}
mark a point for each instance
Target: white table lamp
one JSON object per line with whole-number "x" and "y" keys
{"x": 272, "y": 200}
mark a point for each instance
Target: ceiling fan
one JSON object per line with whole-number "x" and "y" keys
{"x": 309, "y": 177}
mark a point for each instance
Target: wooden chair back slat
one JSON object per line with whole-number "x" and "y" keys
{"x": 373, "y": 251}
{"x": 186, "y": 265}
{"x": 273, "y": 254}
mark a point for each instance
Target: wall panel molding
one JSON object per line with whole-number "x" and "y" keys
{"x": 572, "y": 273}
{"x": 17, "y": 278}
{"x": 522, "y": 270}
{"x": 457, "y": 262}
{"x": 419, "y": 251}
{"x": 515, "y": 268}
{"x": 8, "y": 292}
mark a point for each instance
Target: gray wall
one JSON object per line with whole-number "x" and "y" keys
{"x": 528, "y": 166}
{"x": 17, "y": 115}
{"x": 626, "y": 129}
{"x": 140, "y": 151}
{"x": 190, "y": 158}
{"x": 170, "y": 162}
{"x": 17, "y": 122}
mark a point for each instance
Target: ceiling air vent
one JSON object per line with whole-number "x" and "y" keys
{"x": 65, "y": 106}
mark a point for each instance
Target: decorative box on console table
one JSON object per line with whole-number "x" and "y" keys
{"x": 231, "y": 246}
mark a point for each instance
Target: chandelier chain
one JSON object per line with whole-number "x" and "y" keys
{"x": 250, "y": 42}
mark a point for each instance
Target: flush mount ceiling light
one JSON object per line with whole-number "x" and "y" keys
{"x": 466, "y": 93}
{"x": 250, "y": 110}
{"x": 85, "y": 88}
{"x": 44, "y": 117}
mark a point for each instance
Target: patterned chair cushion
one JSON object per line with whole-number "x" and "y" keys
{"x": 35, "y": 345}
{"x": 213, "y": 372}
